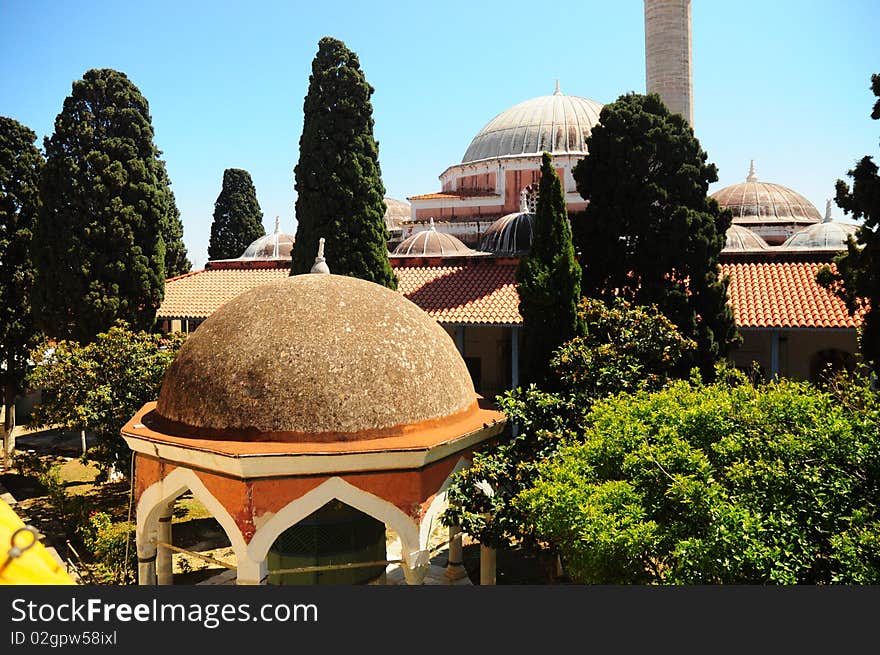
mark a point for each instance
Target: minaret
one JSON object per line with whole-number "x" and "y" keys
{"x": 668, "y": 56}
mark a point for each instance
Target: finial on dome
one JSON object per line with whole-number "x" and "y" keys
{"x": 431, "y": 223}
{"x": 752, "y": 177}
{"x": 320, "y": 265}
{"x": 277, "y": 225}
{"x": 827, "y": 218}
{"x": 557, "y": 92}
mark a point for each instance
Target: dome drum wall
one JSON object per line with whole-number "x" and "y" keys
{"x": 317, "y": 358}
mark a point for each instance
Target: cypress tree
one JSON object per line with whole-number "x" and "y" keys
{"x": 548, "y": 282}
{"x": 176, "y": 261}
{"x": 238, "y": 219}
{"x": 650, "y": 233}
{"x": 98, "y": 249}
{"x": 857, "y": 280}
{"x": 20, "y": 165}
{"x": 338, "y": 181}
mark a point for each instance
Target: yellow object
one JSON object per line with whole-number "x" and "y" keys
{"x": 23, "y": 559}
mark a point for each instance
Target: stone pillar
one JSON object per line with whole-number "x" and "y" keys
{"x": 415, "y": 567}
{"x": 164, "y": 563}
{"x": 250, "y": 571}
{"x": 487, "y": 565}
{"x": 146, "y": 563}
{"x": 668, "y": 54}
{"x": 455, "y": 561}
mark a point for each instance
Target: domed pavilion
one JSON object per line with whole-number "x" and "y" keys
{"x": 312, "y": 392}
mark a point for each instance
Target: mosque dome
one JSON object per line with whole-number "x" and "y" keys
{"x": 396, "y": 211}
{"x": 557, "y": 124}
{"x": 742, "y": 239}
{"x": 277, "y": 245}
{"x": 314, "y": 358}
{"x": 431, "y": 243}
{"x": 827, "y": 235}
{"x": 755, "y": 202}
{"x": 510, "y": 235}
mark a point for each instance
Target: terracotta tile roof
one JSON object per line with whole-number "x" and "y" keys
{"x": 783, "y": 294}
{"x": 762, "y": 294}
{"x": 453, "y": 195}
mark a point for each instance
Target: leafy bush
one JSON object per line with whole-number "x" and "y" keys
{"x": 108, "y": 542}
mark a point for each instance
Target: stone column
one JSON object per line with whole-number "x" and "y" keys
{"x": 164, "y": 563}
{"x": 415, "y": 567}
{"x": 487, "y": 565}
{"x": 146, "y": 563}
{"x": 250, "y": 571}
{"x": 455, "y": 561}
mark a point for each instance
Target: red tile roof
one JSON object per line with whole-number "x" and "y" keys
{"x": 762, "y": 294}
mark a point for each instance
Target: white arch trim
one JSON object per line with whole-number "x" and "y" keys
{"x": 170, "y": 487}
{"x": 438, "y": 504}
{"x": 334, "y": 489}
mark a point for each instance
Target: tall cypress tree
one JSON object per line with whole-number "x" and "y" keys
{"x": 338, "y": 181}
{"x": 548, "y": 282}
{"x": 650, "y": 233}
{"x": 858, "y": 268}
{"x": 20, "y": 165}
{"x": 98, "y": 248}
{"x": 238, "y": 219}
{"x": 176, "y": 261}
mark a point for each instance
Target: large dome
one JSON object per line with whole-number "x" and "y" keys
{"x": 431, "y": 243}
{"x": 754, "y": 202}
{"x": 556, "y": 124}
{"x": 314, "y": 358}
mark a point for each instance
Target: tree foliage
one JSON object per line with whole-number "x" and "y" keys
{"x": 650, "y": 232}
{"x": 98, "y": 249}
{"x": 857, "y": 278}
{"x": 20, "y": 166}
{"x": 238, "y": 219}
{"x": 176, "y": 260}
{"x": 622, "y": 348}
{"x": 548, "y": 283}
{"x": 100, "y": 385}
{"x": 338, "y": 180}
{"x": 722, "y": 483}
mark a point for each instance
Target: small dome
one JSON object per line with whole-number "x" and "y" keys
{"x": 754, "y": 202}
{"x": 396, "y": 212}
{"x": 431, "y": 243}
{"x": 740, "y": 239}
{"x": 314, "y": 358}
{"x": 557, "y": 124}
{"x": 272, "y": 246}
{"x": 827, "y": 235}
{"x": 510, "y": 235}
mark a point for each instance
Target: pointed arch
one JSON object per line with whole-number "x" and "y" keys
{"x": 334, "y": 489}
{"x": 438, "y": 504}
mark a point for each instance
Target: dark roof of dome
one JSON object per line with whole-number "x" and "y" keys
{"x": 754, "y": 202}
{"x": 739, "y": 239}
{"x": 431, "y": 243}
{"x": 315, "y": 358}
{"x": 509, "y": 235}
{"x": 556, "y": 124}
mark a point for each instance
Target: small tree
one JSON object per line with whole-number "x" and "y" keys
{"x": 20, "y": 165}
{"x": 238, "y": 219}
{"x": 98, "y": 243}
{"x": 99, "y": 386}
{"x": 650, "y": 233}
{"x": 857, "y": 279}
{"x": 176, "y": 260}
{"x": 548, "y": 282}
{"x": 622, "y": 348}
{"x": 340, "y": 195}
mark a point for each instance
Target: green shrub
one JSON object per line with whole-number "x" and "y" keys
{"x": 108, "y": 540}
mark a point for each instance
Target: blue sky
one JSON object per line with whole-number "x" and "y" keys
{"x": 783, "y": 82}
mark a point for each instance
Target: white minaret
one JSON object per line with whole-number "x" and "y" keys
{"x": 668, "y": 56}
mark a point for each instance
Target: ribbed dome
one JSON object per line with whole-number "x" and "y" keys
{"x": 314, "y": 358}
{"x": 754, "y": 202}
{"x": 396, "y": 211}
{"x": 431, "y": 243}
{"x": 556, "y": 124}
{"x": 741, "y": 239}
{"x": 510, "y": 235}
{"x": 827, "y": 235}
{"x": 277, "y": 245}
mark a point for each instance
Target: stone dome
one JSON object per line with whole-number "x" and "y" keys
{"x": 827, "y": 235}
{"x": 431, "y": 243}
{"x": 742, "y": 239}
{"x": 314, "y": 358}
{"x": 510, "y": 235}
{"x": 396, "y": 211}
{"x": 556, "y": 124}
{"x": 754, "y": 202}
{"x": 277, "y": 245}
